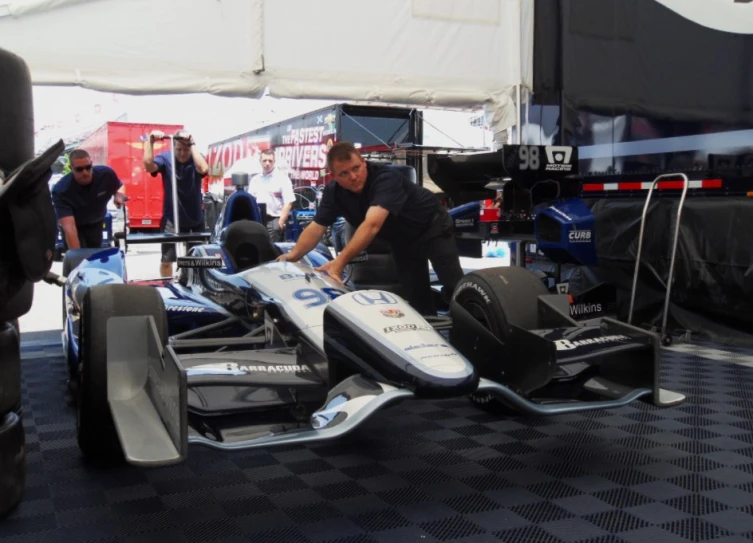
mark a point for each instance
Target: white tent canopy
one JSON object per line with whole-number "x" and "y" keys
{"x": 433, "y": 53}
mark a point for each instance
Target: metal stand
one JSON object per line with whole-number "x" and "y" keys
{"x": 174, "y": 182}
{"x": 665, "y": 337}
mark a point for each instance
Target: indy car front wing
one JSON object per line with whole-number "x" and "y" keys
{"x": 148, "y": 389}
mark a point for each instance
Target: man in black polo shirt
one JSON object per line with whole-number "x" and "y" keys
{"x": 190, "y": 169}
{"x": 380, "y": 201}
{"x": 80, "y": 199}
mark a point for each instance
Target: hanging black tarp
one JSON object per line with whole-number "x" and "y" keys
{"x": 640, "y": 57}
{"x": 712, "y": 294}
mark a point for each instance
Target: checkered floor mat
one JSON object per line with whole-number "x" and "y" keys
{"x": 424, "y": 471}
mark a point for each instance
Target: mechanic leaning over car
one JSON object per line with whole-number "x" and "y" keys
{"x": 273, "y": 187}
{"x": 381, "y": 202}
{"x": 190, "y": 168}
{"x": 80, "y": 200}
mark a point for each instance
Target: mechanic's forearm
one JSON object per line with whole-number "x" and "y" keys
{"x": 201, "y": 165}
{"x": 71, "y": 237}
{"x": 362, "y": 238}
{"x": 148, "y": 159}
{"x": 308, "y": 239}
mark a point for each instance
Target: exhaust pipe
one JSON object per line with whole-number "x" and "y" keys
{"x": 54, "y": 279}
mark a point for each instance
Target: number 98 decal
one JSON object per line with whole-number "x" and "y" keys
{"x": 316, "y": 297}
{"x": 529, "y": 157}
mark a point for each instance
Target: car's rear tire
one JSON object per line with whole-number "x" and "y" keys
{"x": 97, "y": 437}
{"x": 16, "y": 112}
{"x": 10, "y": 369}
{"x": 378, "y": 270}
{"x": 498, "y": 298}
{"x": 16, "y": 147}
{"x": 12, "y": 462}
{"x": 74, "y": 257}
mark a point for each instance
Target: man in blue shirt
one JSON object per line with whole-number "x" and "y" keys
{"x": 190, "y": 169}
{"x": 80, "y": 199}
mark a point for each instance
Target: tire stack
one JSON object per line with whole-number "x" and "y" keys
{"x": 12, "y": 437}
{"x": 16, "y": 147}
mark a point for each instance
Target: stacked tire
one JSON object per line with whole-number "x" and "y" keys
{"x": 12, "y": 437}
{"x": 16, "y": 147}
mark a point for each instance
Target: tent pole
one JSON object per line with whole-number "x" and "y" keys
{"x": 518, "y": 115}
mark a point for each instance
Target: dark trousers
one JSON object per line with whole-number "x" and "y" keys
{"x": 169, "y": 252}
{"x": 89, "y": 235}
{"x": 436, "y": 245}
{"x": 275, "y": 232}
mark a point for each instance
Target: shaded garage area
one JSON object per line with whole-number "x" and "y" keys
{"x": 423, "y": 471}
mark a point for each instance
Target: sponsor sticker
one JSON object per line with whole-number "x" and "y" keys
{"x": 577, "y": 310}
{"x": 566, "y": 344}
{"x": 290, "y": 276}
{"x": 579, "y": 236}
{"x": 393, "y": 313}
{"x": 558, "y": 158}
{"x": 200, "y": 262}
{"x": 475, "y": 287}
{"x": 426, "y": 346}
{"x": 185, "y": 308}
{"x": 407, "y": 328}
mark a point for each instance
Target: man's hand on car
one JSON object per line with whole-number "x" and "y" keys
{"x": 334, "y": 270}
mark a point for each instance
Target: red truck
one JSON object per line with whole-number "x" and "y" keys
{"x": 119, "y": 145}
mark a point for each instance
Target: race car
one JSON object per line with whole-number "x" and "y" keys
{"x": 241, "y": 351}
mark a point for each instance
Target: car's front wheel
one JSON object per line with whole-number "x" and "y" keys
{"x": 498, "y": 298}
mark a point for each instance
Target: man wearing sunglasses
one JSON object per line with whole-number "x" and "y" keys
{"x": 80, "y": 199}
{"x": 381, "y": 202}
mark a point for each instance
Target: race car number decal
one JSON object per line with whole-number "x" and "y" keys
{"x": 317, "y": 297}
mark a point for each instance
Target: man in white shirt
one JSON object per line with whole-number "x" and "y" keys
{"x": 273, "y": 188}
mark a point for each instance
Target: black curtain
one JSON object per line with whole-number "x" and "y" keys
{"x": 636, "y": 56}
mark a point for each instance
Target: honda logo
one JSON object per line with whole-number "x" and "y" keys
{"x": 374, "y": 298}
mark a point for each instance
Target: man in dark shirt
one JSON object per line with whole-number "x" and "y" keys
{"x": 382, "y": 202}
{"x": 190, "y": 169}
{"x": 80, "y": 199}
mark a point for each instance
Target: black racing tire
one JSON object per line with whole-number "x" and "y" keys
{"x": 376, "y": 247}
{"x": 498, "y": 298}
{"x": 16, "y": 145}
{"x": 12, "y": 463}
{"x": 16, "y": 112}
{"x": 97, "y": 437}
{"x": 19, "y": 303}
{"x": 10, "y": 368}
{"x": 379, "y": 266}
{"x": 74, "y": 257}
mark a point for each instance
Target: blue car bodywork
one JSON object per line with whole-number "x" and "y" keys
{"x": 186, "y": 309}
